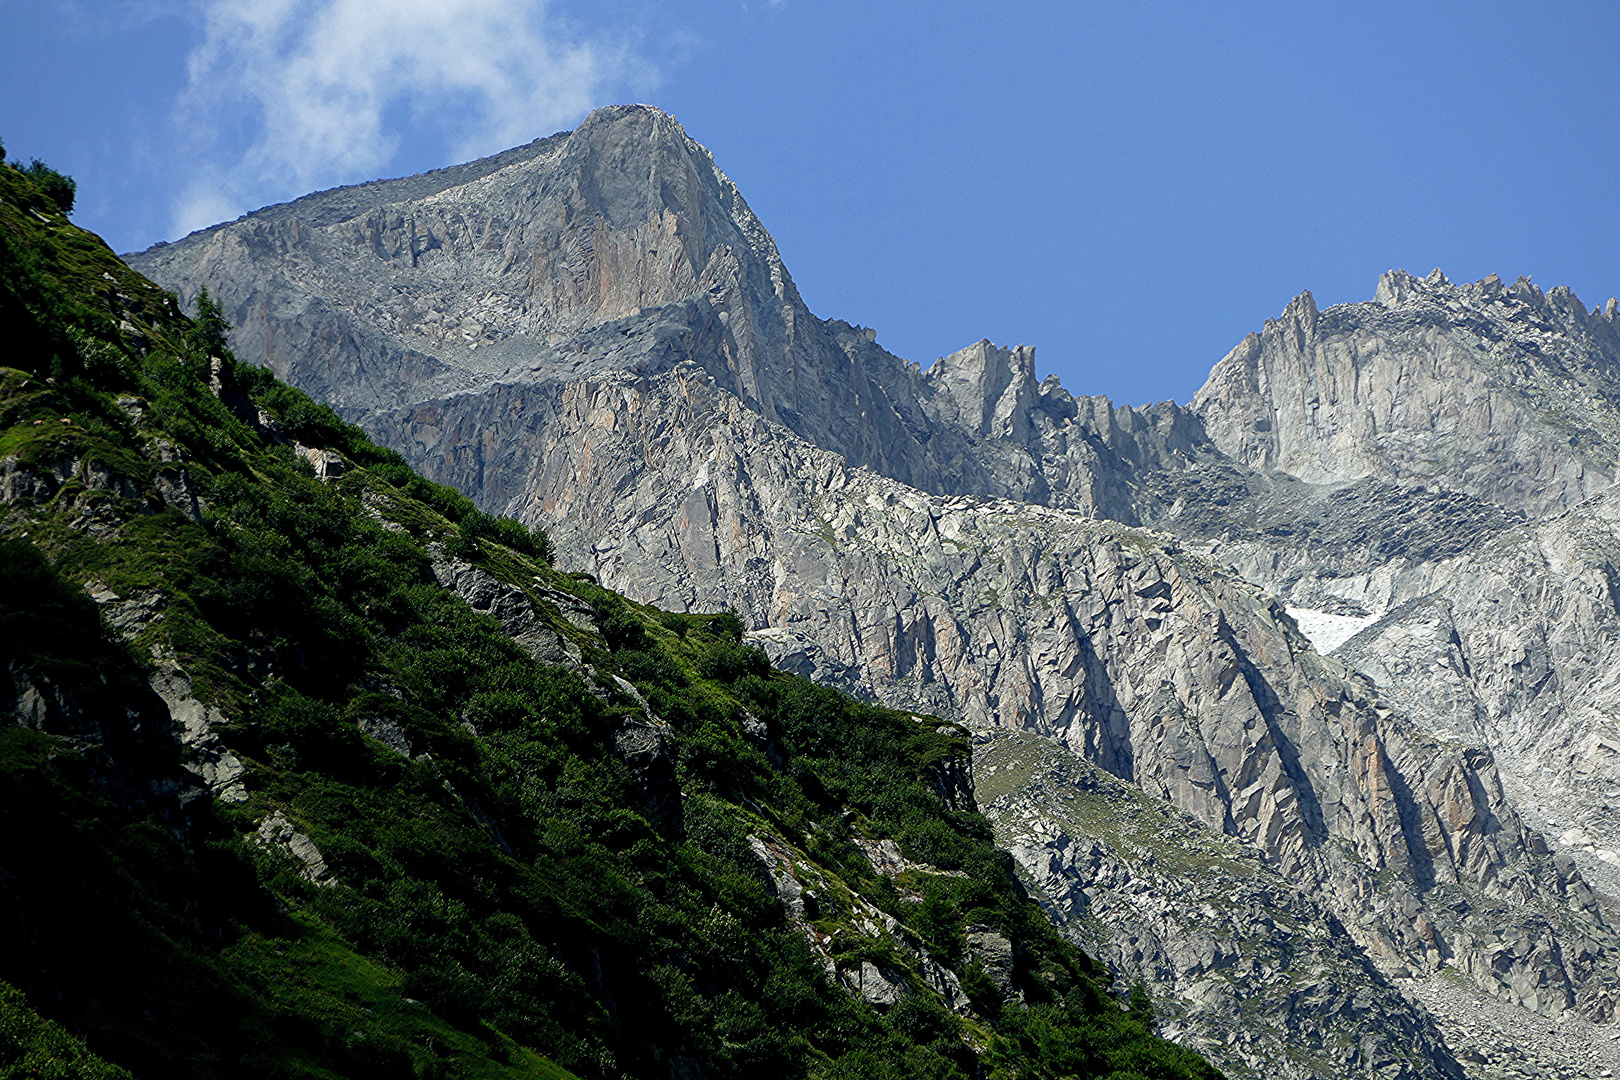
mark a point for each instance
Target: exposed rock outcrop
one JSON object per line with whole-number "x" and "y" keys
{"x": 645, "y": 745}
{"x": 207, "y": 756}
{"x": 520, "y": 618}
{"x": 1516, "y": 646}
{"x": 836, "y": 920}
{"x": 1507, "y": 394}
{"x": 1241, "y": 964}
{"x": 276, "y": 833}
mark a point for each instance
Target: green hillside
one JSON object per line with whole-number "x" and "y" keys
{"x": 434, "y": 808}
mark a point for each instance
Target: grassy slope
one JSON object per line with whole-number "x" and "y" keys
{"x": 506, "y": 901}
{"x": 31, "y": 1046}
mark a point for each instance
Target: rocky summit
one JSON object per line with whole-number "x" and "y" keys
{"x": 1291, "y": 701}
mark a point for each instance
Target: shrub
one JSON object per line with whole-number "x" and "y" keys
{"x": 727, "y": 624}
{"x": 31, "y": 1046}
{"x": 477, "y": 525}
{"x": 57, "y": 187}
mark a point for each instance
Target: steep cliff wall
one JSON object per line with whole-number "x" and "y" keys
{"x": 1242, "y": 963}
{"x": 1142, "y": 657}
{"x": 1517, "y": 645}
{"x": 1507, "y": 394}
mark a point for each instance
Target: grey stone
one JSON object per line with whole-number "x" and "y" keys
{"x": 646, "y": 746}
{"x": 875, "y": 984}
{"x": 127, "y": 617}
{"x": 755, "y": 729}
{"x": 994, "y": 952}
{"x": 206, "y": 755}
{"x": 328, "y": 464}
{"x": 807, "y": 895}
{"x": 887, "y": 859}
{"x": 29, "y": 706}
{"x": 509, "y": 605}
{"x": 276, "y": 832}
{"x": 388, "y": 732}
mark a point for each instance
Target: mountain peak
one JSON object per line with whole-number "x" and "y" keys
{"x": 989, "y": 389}
{"x": 635, "y": 161}
{"x": 1396, "y": 287}
{"x": 1330, "y": 399}
{"x": 608, "y": 114}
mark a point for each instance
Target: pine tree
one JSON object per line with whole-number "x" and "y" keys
{"x": 210, "y": 332}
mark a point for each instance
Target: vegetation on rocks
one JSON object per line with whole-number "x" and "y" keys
{"x": 33, "y": 1047}
{"x": 277, "y": 801}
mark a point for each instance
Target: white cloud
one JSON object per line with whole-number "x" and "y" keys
{"x": 286, "y": 96}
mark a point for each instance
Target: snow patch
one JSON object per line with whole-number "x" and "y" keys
{"x": 1327, "y": 632}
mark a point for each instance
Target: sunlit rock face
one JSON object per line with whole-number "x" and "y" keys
{"x": 1507, "y": 394}
{"x": 593, "y": 332}
{"x": 1246, "y": 967}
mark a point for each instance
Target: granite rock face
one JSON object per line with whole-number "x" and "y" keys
{"x": 1140, "y": 655}
{"x": 1382, "y": 438}
{"x": 1517, "y": 646}
{"x": 1241, "y": 964}
{"x": 593, "y": 332}
{"x": 1507, "y": 394}
{"x": 556, "y": 258}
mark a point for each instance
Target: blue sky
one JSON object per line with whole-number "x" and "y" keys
{"x": 1129, "y": 188}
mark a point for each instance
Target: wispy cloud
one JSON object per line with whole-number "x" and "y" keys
{"x": 285, "y": 96}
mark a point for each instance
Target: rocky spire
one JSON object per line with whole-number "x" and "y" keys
{"x": 986, "y": 389}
